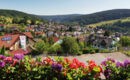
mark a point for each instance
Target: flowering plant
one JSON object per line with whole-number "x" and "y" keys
{"x": 59, "y": 68}
{"x": 17, "y": 68}
{"x": 116, "y": 70}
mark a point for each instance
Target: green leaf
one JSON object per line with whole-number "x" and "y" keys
{"x": 69, "y": 76}
{"x": 96, "y": 69}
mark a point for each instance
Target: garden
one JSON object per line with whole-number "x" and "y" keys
{"x": 20, "y": 67}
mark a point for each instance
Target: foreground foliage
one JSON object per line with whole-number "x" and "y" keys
{"x": 58, "y": 68}
{"x": 116, "y": 70}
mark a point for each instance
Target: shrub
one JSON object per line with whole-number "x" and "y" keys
{"x": 105, "y": 51}
{"x": 116, "y": 70}
{"x": 92, "y": 51}
{"x": 126, "y": 52}
{"x": 97, "y": 50}
{"x": 88, "y": 50}
{"x": 59, "y": 68}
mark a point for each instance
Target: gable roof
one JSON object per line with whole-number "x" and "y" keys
{"x": 39, "y": 32}
{"x": 29, "y": 28}
{"x": 3, "y": 25}
{"x": 14, "y": 38}
{"x": 28, "y": 34}
{"x": 11, "y": 42}
{"x": 19, "y": 51}
{"x": 55, "y": 39}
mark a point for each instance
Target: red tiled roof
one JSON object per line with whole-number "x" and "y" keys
{"x": 39, "y": 32}
{"x": 29, "y": 28}
{"x": 19, "y": 51}
{"x": 28, "y": 34}
{"x": 8, "y": 34}
{"x": 59, "y": 26}
{"x": 55, "y": 39}
{"x": 15, "y": 38}
{"x": 7, "y": 45}
{"x": 3, "y": 25}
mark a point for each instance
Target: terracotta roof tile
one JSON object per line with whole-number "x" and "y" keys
{"x": 11, "y": 42}
{"x": 19, "y": 51}
{"x": 55, "y": 39}
{"x": 39, "y": 32}
{"x": 28, "y": 34}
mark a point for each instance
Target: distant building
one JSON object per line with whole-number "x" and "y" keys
{"x": 39, "y": 33}
{"x": 2, "y": 27}
{"x": 102, "y": 42}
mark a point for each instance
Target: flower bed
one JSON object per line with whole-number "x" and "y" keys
{"x": 116, "y": 70}
{"x": 25, "y": 68}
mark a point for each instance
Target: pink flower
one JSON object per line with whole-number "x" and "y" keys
{"x": 2, "y": 63}
{"x": 8, "y": 59}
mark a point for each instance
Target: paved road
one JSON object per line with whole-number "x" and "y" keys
{"x": 99, "y": 57}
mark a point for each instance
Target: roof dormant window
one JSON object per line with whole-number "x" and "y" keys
{"x": 6, "y": 38}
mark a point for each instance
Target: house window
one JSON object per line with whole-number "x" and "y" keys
{"x": 8, "y": 42}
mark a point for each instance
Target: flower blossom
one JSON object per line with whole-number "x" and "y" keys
{"x": 19, "y": 56}
{"x": 2, "y": 64}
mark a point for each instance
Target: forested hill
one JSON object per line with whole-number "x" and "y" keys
{"x": 99, "y": 16}
{"x": 14, "y": 13}
{"x": 59, "y": 18}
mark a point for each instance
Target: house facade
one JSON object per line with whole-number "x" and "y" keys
{"x": 102, "y": 42}
{"x": 14, "y": 42}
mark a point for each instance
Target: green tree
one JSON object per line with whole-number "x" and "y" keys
{"x": 81, "y": 45}
{"x": 125, "y": 41}
{"x": 107, "y": 33}
{"x": 40, "y": 47}
{"x": 55, "y": 49}
{"x": 69, "y": 45}
{"x": 2, "y": 50}
{"x": 50, "y": 40}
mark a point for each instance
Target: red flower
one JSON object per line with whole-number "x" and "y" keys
{"x": 91, "y": 65}
{"x": 66, "y": 70}
{"x": 97, "y": 75}
{"x": 100, "y": 69}
{"x": 8, "y": 59}
{"x": 73, "y": 66}
{"x": 48, "y": 61}
{"x": 8, "y": 71}
{"x": 82, "y": 65}
{"x": 85, "y": 72}
{"x": 15, "y": 62}
{"x": 91, "y": 62}
{"x": 75, "y": 61}
{"x": 64, "y": 73}
{"x": 67, "y": 60}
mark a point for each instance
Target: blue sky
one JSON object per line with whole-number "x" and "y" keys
{"x": 55, "y": 7}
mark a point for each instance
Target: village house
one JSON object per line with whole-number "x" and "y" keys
{"x": 14, "y": 29}
{"x": 2, "y": 27}
{"x": 39, "y": 33}
{"x": 76, "y": 34}
{"x": 102, "y": 42}
{"x": 76, "y": 28}
{"x": 13, "y": 42}
{"x": 39, "y": 28}
{"x": 29, "y": 29}
{"x": 99, "y": 31}
{"x": 49, "y": 33}
{"x": 55, "y": 39}
{"x": 117, "y": 34}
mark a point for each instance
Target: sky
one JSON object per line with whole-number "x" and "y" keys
{"x": 60, "y": 7}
